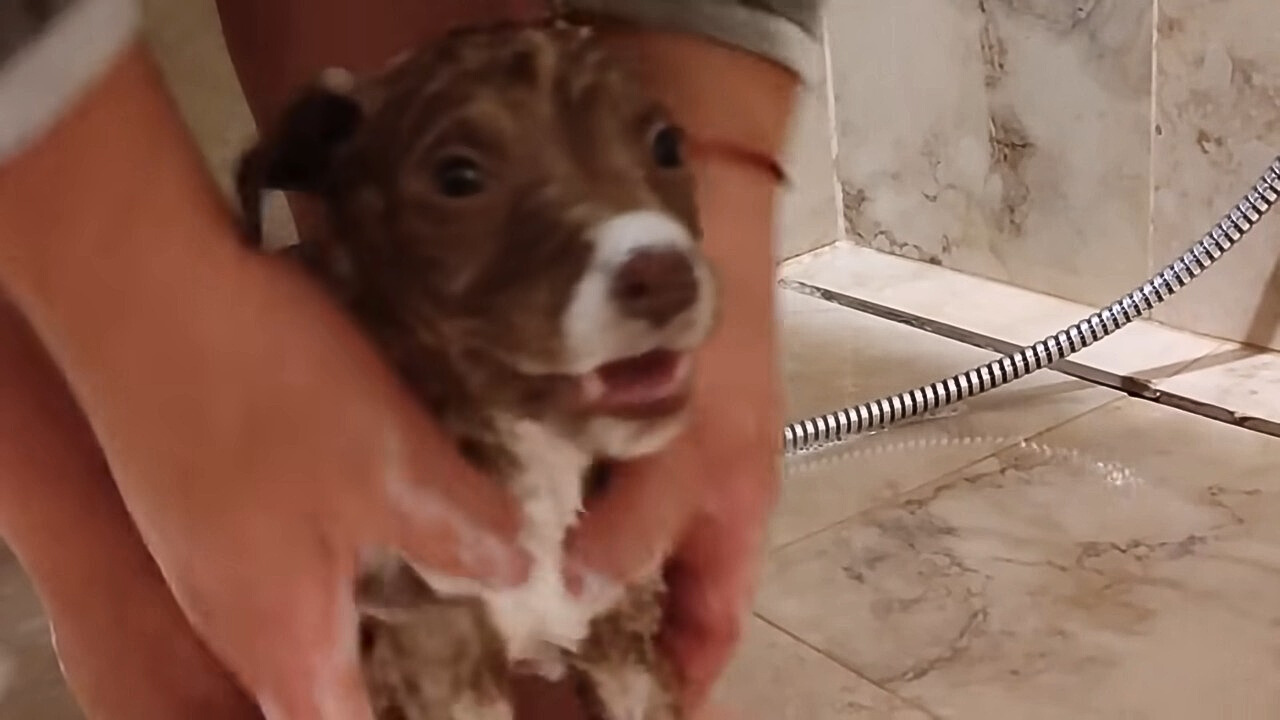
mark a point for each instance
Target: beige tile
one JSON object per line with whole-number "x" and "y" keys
{"x": 776, "y": 678}
{"x": 1126, "y": 565}
{"x": 1202, "y": 368}
{"x": 1006, "y": 139}
{"x": 1243, "y": 379}
{"x": 31, "y": 684}
{"x": 808, "y": 216}
{"x": 835, "y": 357}
{"x": 1217, "y": 87}
{"x": 1143, "y": 349}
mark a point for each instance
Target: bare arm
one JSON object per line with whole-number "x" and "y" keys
{"x": 258, "y": 444}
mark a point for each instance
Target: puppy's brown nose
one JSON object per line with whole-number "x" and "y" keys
{"x": 655, "y": 285}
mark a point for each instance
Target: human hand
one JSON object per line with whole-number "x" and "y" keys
{"x": 702, "y": 506}
{"x": 297, "y": 471}
{"x": 259, "y": 443}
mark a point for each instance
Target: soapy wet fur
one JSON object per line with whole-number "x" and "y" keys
{"x": 506, "y": 213}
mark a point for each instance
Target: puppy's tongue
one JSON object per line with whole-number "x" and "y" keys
{"x": 637, "y": 381}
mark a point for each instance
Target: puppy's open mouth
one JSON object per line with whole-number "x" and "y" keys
{"x": 645, "y": 386}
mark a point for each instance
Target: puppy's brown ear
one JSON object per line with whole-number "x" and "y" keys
{"x": 298, "y": 153}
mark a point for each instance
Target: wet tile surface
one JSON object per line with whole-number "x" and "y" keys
{"x": 1123, "y": 565}
{"x": 835, "y": 357}
{"x": 776, "y": 678}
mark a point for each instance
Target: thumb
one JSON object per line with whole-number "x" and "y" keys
{"x": 327, "y": 686}
{"x": 445, "y": 515}
{"x": 628, "y": 532}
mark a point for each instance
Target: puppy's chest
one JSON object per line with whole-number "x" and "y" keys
{"x": 546, "y": 477}
{"x": 540, "y": 617}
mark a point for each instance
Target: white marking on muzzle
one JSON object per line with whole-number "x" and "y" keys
{"x": 595, "y": 331}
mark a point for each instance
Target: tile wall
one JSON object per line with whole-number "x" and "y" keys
{"x": 1067, "y": 147}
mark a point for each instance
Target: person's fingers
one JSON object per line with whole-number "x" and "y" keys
{"x": 307, "y": 668}
{"x": 627, "y": 532}
{"x": 445, "y": 515}
{"x": 431, "y": 536}
{"x": 710, "y": 591}
{"x": 284, "y": 623}
{"x": 338, "y": 695}
{"x": 712, "y": 577}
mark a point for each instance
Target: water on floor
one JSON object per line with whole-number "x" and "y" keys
{"x": 1051, "y": 550}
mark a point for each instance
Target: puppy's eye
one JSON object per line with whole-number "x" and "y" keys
{"x": 458, "y": 176}
{"x": 668, "y": 147}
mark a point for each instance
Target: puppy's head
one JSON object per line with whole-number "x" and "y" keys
{"x": 511, "y": 198}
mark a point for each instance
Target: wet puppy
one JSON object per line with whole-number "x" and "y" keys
{"x": 511, "y": 219}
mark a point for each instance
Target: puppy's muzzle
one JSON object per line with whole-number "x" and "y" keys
{"x": 655, "y": 285}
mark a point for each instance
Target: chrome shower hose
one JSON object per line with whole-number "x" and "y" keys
{"x": 842, "y": 425}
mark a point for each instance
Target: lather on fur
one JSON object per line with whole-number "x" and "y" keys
{"x": 509, "y": 216}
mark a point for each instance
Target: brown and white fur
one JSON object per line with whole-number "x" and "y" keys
{"x": 510, "y": 217}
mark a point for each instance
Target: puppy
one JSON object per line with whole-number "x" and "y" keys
{"x": 511, "y": 218}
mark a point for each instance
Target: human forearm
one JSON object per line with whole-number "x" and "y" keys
{"x": 123, "y": 644}
{"x": 117, "y": 247}
{"x": 114, "y": 188}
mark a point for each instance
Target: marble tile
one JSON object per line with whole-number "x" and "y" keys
{"x": 1006, "y": 138}
{"x": 1242, "y": 379}
{"x": 1124, "y": 565}
{"x": 776, "y": 678}
{"x": 809, "y": 213}
{"x": 1143, "y": 349}
{"x": 834, "y": 357}
{"x": 31, "y": 684}
{"x": 1217, "y": 90}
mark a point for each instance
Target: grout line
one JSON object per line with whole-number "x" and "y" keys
{"x": 894, "y": 497}
{"x": 842, "y": 665}
{"x": 1134, "y": 387}
{"x": 940, "y": 481}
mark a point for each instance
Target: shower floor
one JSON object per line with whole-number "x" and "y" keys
{"x": 1051, "y": 550}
